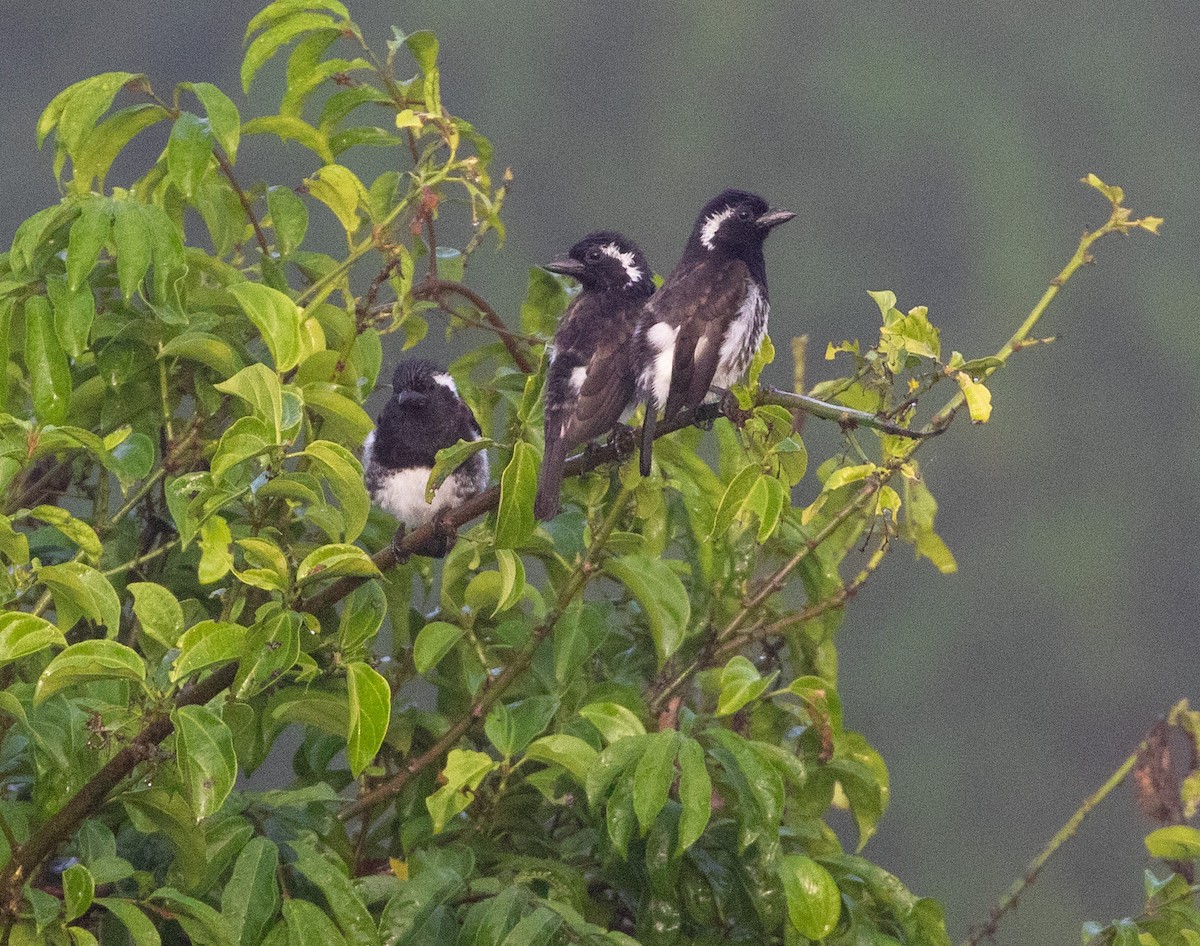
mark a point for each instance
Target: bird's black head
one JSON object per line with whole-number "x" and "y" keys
{"x": 737, "y": 222}
{"x": 605, "y": 260}
{"x": 416, "y": 380}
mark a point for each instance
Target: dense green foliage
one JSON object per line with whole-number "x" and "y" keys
{"x": 636, "y": 731}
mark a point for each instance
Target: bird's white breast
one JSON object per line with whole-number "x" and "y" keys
{"x": 743, "y": 337}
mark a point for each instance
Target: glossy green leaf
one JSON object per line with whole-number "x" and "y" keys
{"x": 89, "y": 233}
{"x": 362, "y": 616}
{"x": 216, "y": 558}
{"x": 205, "y": 758}
{"x": 813, "y": 901}
{"x": 102, "y": 145}
{"x": 259, "y": 387}
{"x": 289, "y": 218}
{"x": 695, "y": 794}
{"x": 74, "y": 314}
{"x": 335, "y": 561}
{"x": 1174, "y": 842}
{"x": 223, "y": 119}
{"x": 339, "y": 189}
{"x": 653, "y": 776}
{"x": 518, "y": 484}
{"x": 250, "y": 900}
{"x": 46, "y": 362}
{"x": 536, "y": 929}
{"x": 23, "y": 634}
{"x": 463, "y": 773}
{"x": 276, "y": 316}
{"x": 733, "y": 501}
{"x": 511, "y": 727}
{"x": 661, "y": 595}
{"x": 450, "y": 459}
{"x": 86, "y": 661}
{"x": 434, "y": 641}
{"x": 206, "y": 349}
{"x": 141, "y": 930}
{"x": 189, "y": 153}
{"x": 290, "y": 128}
{"x": 82, "y": 535}
{"x": 613, "y": 721}
{"x": 271, "y": 649}
{"x": 79, "y": 888}
{"x": 79, "y": 589}
{"x": 343, "y": 474}
{"x": 570, "y": 752}
{"x": 158, "y": 612}
{"x": 308, "y": 925}
{"x": 200, "y": 922}
{"x": 276, "y": 35}
{"x": 205, "y": 644}
{"x": 740, "y": 683}
{"x": 346, "y": 904}
{"x": 370, "y": 701}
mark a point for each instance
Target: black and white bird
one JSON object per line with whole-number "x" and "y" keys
{"x": 705, "y": 324}
{"x": 424, "y": 415}
{"x": 594, "y": 362}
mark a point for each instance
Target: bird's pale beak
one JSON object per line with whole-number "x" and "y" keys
{"x": 773, "y": 218}
{"x": 565, "y": 266}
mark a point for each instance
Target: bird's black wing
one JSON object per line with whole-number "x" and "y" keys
{"x": 704, "y": 300}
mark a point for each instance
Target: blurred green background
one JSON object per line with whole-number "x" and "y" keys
{"x": 933, "y": 149}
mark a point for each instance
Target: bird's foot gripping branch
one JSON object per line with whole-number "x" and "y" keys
{"x": 636, "y": 732}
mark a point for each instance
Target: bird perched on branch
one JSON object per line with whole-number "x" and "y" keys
{"x": 704, "y": 325}
{"x": 595, "y": 360}
{"x": 424, "y": 415}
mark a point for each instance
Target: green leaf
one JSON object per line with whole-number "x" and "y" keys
{"x": 108, "y": 139}
{"x": 339, "y": 189}
{"x": 141, "y": 930}
{"x": 695, "y": 793}
{"x": 308, "y": 925}
{"x": 79, "y": 589}
{"x": 511, "y": 727}
{"x": 370, "y": 701}
{"x": 289, "y": 218}
{"x": 450, "y": 459}
{"x": 24, "y": 634}
{"x": 653, "y": 776}
{"x": 89, "y": 660}
{"x": 74, "y": 313}
{"x": 271, "y": 649}
{"x": 518, "y": 484}
{"x": 290, "y": 128}
{"x": 848, "y": 474}
{"x": 46, "y": 363}
{"x": 464, "y": 771}
{"x": 1177, "y": 842}
{"x": 158, "y": 612}
{"x": 613, "y": 721}
{"x": 343, "y": 474}
{"x": 201, "y": 923}
{"x": 344, "y": 420}
{"x": 247, "y": 438}
{"x": 338, "y": 560}
{"x": 189, "y": 152}
{"x": 661, "y": 595}
{"x": 536, "y": 929}
{"x": 329, "y": 876}
{"x": 278, "y": 34}
{"x": 205, "y": 644}
{"x": 434, "y": 641}
{"x": 740, "y": 683}
{"x": 362, "y": 616}
{"x": 216, "y": 559}
{"x": 813, "y": 901}
{"x": 209, "y": 350}
{"x": 570, "y": 752}
{"x": 734, "y": 499}
{"x": 512, "y": 579}
{"x": 979, "y": 398}
{"x": 259, "y": 387}
{"x": 77, "y": 531}
{"x": 917, "y": 525}
{"x": 205, "y": 758}
{"x": 546, "y": 299}
{"x": 79, "y": 888}
{"x": 276, "y": 316}
{"x": 89, "y": 233}
{"x": 250, "y": 900}
{"x": 223, "y": 119}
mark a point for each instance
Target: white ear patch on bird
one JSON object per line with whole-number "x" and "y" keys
{"x": 447, "y": 382}
{"x": 626, "y": 259}
{"x": 708, "y": 231}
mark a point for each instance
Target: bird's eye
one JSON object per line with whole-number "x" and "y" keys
{"x": 593, "y": 256}
{"x": 744, "y": 214}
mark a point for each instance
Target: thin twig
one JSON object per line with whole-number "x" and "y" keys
{"x": 435, "y": 289}
{"x": 847, "y": 417}
{"x": 1065, "y": 833}
{"x": 494, "y": 688}
{"x": 227, "y": 170}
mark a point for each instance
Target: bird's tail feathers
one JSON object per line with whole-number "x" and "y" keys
{"x": 550, "y": 477}
{"x": 647, "y": 448}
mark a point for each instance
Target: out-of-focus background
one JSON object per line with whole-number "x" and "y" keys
{"x": 932, "y": 149}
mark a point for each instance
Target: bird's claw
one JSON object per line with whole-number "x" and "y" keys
{"x": 622, "y": 442}
{"x": 401, "y": 554}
